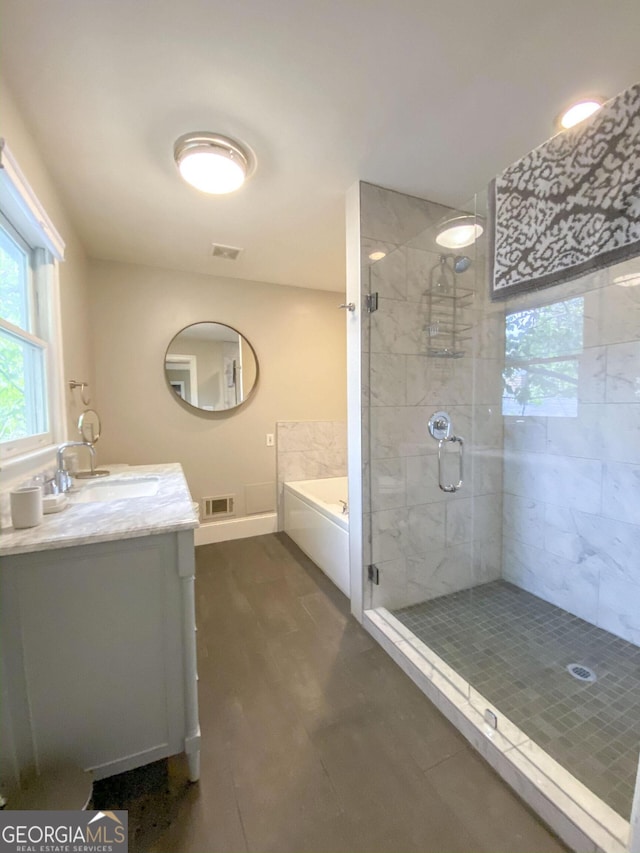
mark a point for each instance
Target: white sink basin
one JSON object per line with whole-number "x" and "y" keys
{"x": 115, "y": 490}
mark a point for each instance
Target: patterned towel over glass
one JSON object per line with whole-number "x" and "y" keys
{"x": 570, "y": 206}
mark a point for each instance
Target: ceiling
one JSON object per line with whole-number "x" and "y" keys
{"x": 427, "y": 98}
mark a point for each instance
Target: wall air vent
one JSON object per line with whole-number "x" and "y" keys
{"x": 218, "y": 507}
{"x": 227, "y": 253}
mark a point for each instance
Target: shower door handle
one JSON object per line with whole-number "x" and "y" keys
{"x": 456, "y": 439}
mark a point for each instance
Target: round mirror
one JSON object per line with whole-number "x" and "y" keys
{"x": 211, "y": 367}
{"x": 89, "y": 426}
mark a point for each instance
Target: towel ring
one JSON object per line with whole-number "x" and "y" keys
{"x": 73, "y": 384}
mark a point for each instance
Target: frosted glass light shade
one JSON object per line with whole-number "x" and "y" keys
{"x": 211, "y": 163}
{"x": 579, "y": 112}
{"x": 459, "y": 232}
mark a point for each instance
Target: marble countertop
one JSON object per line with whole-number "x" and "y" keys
{"x": 169, "y": 510}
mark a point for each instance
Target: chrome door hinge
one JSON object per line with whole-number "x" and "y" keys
{"x": 373, "y": 573}
{"x": 371, "y": 302}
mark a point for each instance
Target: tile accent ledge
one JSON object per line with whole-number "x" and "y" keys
{"x": 582, "y": 820}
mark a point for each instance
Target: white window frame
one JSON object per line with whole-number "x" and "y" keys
{"x": 21, "y": 208}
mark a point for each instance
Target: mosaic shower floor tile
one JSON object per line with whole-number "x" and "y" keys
{"x": 514, "y": 648}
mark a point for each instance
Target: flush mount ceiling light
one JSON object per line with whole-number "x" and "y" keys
{"x": 579, "y": 112}
{"x": 212, "y": 163}
{"x": 377, "y": 256}
{"x": 459, "y": 232}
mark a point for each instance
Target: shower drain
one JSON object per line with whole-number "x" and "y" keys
{"x": 582, "y": 673}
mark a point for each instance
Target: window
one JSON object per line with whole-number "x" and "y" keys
{"x": 31, "y": 403}
{"x": 542, "y": 350}
{"x": 24, "y": 409}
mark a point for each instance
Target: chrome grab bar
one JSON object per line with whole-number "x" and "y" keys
{"x": 460, "y": 441}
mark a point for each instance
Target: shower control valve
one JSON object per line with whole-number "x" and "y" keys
{"x": 440, "y": 426}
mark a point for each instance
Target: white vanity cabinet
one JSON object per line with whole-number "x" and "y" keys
{"x": 98, "y": 655}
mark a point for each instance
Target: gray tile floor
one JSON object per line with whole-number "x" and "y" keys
{"x": 514, "y": 648}
{"x": 313, "y": 740}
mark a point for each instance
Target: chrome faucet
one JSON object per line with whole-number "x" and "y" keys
{"x": 345, "y": 507}
{"x": 62, "y": 476}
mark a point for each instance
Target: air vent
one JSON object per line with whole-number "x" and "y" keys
{"x": 227, "y": 253}
{"x": 218, "y": 507}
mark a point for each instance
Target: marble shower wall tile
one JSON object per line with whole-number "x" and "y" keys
{"x": 441, "y": 572}
{"x": 592, "y": 375}
{"x": 308, "y": 450}
{"x": 310, "y": 435}
{"x": 389, "y": 275}
{"x": 619, "y": 607}
{"x": 388, "y": 483}
{"x": 523, "y": 519}
{"x": 608, "y": 545}
{"x": 394, "y": 217}
{"x": 572, "y": 484}
{"x": 419, "y": 554}
{"x": 396, "y": 327}
{"x": 420, "y": 264}
{"x": 387, "y": 379}
{"x": 474, "y": 520}
{"x": 438, "y": 382}
{"x": 568, "y": 585}
{"x": 621, "y": 492}
{"x": 558, "y": 480}
{"x": 487, "y": 382}
{"x": 400, "y": 431}
{"x": 623, "y": 373}
{"x": 525, "y": 433}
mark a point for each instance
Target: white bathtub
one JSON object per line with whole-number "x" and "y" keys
{"x": 313, "y": 518}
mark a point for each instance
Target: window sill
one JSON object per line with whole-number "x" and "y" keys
{"x": 26, "y": 464}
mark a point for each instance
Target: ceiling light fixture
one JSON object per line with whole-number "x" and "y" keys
{"x": 212, "y": 163}
{"x": 377, "y": 256}
{"x": 579, "y": 112}
{"x": 459, "y": 232}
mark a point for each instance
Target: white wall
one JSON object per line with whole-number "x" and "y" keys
{"x": 299, "y": 339}
{"x": 78, "y": 362}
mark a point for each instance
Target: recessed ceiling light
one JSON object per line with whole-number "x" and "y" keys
{"x": 377, "y": 256}
{"x": 579, "y": 112}
{"x": 459, "y": 232}
{"x": 211, "y": 163}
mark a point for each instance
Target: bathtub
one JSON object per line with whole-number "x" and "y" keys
{"x": 313, "y": 518}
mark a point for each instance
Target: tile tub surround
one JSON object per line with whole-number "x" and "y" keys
{"x": 513, "y": 648}
{"x": 571, "y": 507}
{"x": 309, "y": 450}
{"x": 169, "y": 510}
{"x": 424, "y": 541}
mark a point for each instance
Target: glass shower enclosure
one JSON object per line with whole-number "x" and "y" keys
{"x": 501, "y": 476}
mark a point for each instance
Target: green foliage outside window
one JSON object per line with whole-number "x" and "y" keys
{"x": 542, "y": 348}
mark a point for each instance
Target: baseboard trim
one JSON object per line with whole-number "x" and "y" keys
{"x": 236, "y": 528}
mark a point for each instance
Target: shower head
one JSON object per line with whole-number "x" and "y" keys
{"x": 461, "y": 263}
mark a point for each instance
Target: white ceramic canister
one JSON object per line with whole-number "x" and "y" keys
{"x": 26, "y": 506}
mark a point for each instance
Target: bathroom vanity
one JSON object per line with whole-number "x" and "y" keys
{"x": 97, "y": 629}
